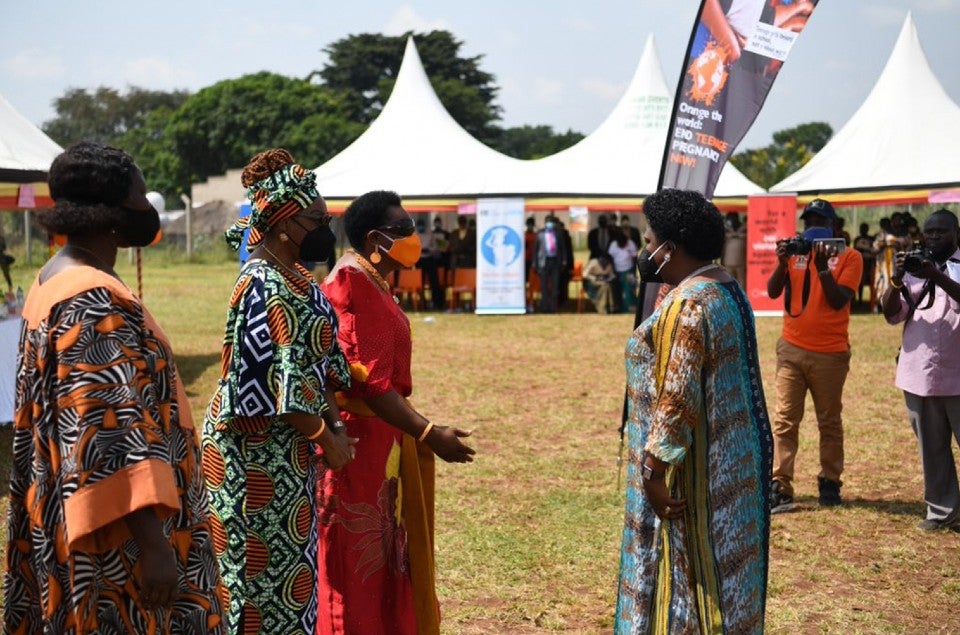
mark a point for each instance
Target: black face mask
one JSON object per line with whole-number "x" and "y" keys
{"x": 318, "y": 245}
{"x": 138, "y": 227}
{"x": 647, "y": 268}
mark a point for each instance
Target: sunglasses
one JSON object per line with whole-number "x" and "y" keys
{"x": 403, "y": 227}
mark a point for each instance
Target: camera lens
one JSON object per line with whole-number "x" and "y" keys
{"x": 913, "y": 260}
{"x": 797, "y": 246}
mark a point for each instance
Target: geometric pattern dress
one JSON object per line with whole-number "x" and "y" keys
{"x": 102, "y": 429}
{"x": 279, "y": 353}
{"x": 695, "y": 401}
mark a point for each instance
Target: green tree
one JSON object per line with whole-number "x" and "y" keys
{"x": 790, "y": 151}
{"x": 103, "y": 114}
{"x": 151, "y": 145}
{"x": 533, "y": 142}
{"x": 363, "y": 68}
{"x": 812, "y": 135}
{"x": 321, "y": 136}
{"x": 222, "y": 126}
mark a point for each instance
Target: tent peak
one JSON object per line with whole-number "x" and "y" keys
{"x": 649, "y": 45}
{"x": 904, "y": 133}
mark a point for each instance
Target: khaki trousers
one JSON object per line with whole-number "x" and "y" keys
{"x": 823, "y": 374}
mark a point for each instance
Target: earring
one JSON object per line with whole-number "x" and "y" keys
{"x": 283, "y": 237}
{"x": 375, "y": 257}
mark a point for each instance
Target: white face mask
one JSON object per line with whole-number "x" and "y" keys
{"x": 665, "y": 260}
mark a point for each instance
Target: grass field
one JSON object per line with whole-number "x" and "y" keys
{"x": 528, "y": 535}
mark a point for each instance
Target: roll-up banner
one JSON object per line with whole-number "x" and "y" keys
{"x": 500, "y": 279}
{"x": 769, "y": 219}
{"x": 735, "y": 52}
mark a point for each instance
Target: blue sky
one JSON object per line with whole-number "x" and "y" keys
{"x": 562, "y": 63}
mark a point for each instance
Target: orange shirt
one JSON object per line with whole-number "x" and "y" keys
{"x": 819, "y": 327}
{"x": 529, "y": 245}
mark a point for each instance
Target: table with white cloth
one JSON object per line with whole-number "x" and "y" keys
{"x": 9, "y": 347}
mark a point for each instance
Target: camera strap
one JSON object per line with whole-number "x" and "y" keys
{"x": 927, "y": 293}
{"x": 805, "y": 294}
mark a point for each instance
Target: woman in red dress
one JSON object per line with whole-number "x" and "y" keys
{"x": 376, "y": 569}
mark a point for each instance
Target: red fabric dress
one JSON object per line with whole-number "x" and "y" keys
{"x": 376, "y": 514}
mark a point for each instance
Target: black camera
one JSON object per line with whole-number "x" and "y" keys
{"x": 913, "y": 259}
{"x": 797, "y": 246}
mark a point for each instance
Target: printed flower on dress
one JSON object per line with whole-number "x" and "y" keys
{"x": 384, "y": 541}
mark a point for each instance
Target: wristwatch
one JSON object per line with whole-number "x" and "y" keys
{"x": 649, "y": 474}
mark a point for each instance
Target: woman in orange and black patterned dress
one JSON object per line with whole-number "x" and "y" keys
{"x": 108, "y": 528}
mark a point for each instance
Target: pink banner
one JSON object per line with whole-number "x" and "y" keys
{"x": 769, "y": 218}
{"x": 26, "y": 198}
{"x": 945, "y": 196}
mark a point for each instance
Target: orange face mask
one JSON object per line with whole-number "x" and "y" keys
{"x": 405, "y": 251}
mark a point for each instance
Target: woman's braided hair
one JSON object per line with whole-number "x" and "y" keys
{"x": 264, "y": 164}
{"x": 88, "y": 182}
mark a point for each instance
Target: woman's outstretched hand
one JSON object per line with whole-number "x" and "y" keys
{"x": 445, "y": 443}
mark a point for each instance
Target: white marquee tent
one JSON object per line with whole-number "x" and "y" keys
{"x": 900, "y": 143}
{"x": 622, "y": 156}
{"x": 413, "y": 147}
{"x": 25, "y": 156}
{"x": 24, "y": 148}
{"x": 417, "y": 149}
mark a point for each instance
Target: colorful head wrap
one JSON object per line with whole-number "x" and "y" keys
{"x": 278, "y": 196}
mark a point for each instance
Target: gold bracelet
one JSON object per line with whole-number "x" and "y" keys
{"x": 316, "y": 435}
{"x": 426, "y": 431}
{"x": 895, "y": 285}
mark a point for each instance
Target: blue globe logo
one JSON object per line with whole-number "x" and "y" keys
{"x": 501, "y": 246}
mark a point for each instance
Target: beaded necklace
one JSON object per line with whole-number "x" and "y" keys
{"x": 284, "y": 265}
{"x": 369, "y": 268}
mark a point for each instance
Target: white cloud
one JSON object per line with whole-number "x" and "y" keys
{"x": 155, "y": 72}
{"x": 34, "y": 64}
{"x": 938, "y": 6}
{"x": 603, "y": 88}
{"x": 258, "y": 30}
{"x": 877, "y": 15}
{"x": 506, "y": 40}
{"x": 547, "y": 91}
{"x": 580, "y": 25}
{"x": 405, "y": 18}
{"x": 885, "y": 14}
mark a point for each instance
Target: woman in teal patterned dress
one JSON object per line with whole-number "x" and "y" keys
{"x": 696, "y": 533}
{"x": 279, "y": 367}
